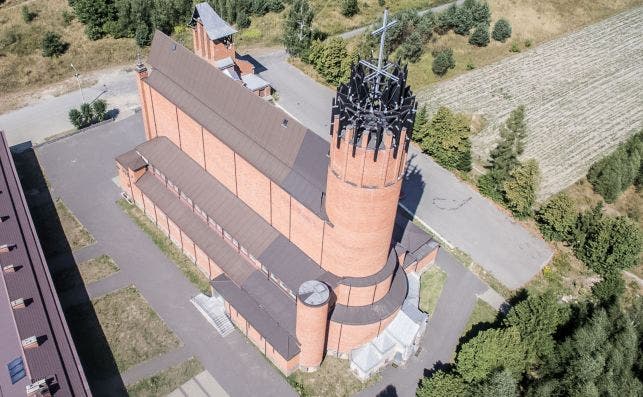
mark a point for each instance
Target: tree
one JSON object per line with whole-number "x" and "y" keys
{"x": 480, "y": 36}
{"x": 297, "y": 28}
{"x": 521, "y": 187}
{"x": 243, "y": 21}
{"x": 489, "y": 351}
{"x": 462, "y": 21}
{"x": 501, "y": 30}
{"x": 87, "y": 112}
{"x": 607, "y": 244}
{"x": 99, "y": 108}
{"x": 619, "y": 170}
{"x": 420, "y": 124}
{"x": 499, "y": 384}
{"x": 142, "y": 34}
{"x": 412, "y": 50}
{"x": 481, "y": 13}
{"x": 349, "y": 8}
{"x": 447, "y": 140}
{"x": 504, "y": 157}
{"x": 443, "y": 384}
{"x": 52, "y": 45}
{"x": 442, "y": 62}
{"x": 609, "y": 288}
{"x": 557, "y": 217}
{"x": 425, "y": 25}
{"x": 537, "y": 318}
{"x": 330, "y": 59}
{"x": 446, "y": 20}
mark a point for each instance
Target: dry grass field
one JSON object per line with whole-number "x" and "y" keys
{"x": 166, "y": 381}
{"x": 267, "y": 30}
{"x": 22, "y": 65}
{"x": 532, "y": 23}
{"x": 332, "y": 379}
{"x": 583, "y": 95}
{"x": 77, "y": 236}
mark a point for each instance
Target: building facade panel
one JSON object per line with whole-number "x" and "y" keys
{"x": 306, "y": 230}
{"x": 253, "y": 187}
{"x": 220, "y": 161}
{"x": 191, "y": 137}
{"x": 280, "y": 209}
{"x": 165, "y": 118}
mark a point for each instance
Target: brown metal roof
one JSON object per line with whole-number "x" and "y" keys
{"x": 55, "y": 356}
{"x": 214, "y": 246}
{"x": 265, "y": 136}
{"x": 289, "y": 263}
{"x": 271, "y": 330}
{"x": 131, "y": 160}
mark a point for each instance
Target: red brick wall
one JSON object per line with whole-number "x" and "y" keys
{"x": 306, "y": 230}
{"x": 219, "y": 161}
{"x": 165, "y": 118}
{"x": 253, "y": 188}
{"x": 191, "y": 137}
{"x": 343, "y": 338}
{"x": 361, "y": 296}
{"x": 280, "y": 207}
{"x": 311, "y": 333}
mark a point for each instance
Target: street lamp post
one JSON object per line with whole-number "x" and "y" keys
{"x": 77, "y": 75}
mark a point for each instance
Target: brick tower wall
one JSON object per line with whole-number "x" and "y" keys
{"x": 312, "y": 322}
{"x": 361, "y": 203}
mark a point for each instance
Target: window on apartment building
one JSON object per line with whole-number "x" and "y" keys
{"x": 16, "y": 370}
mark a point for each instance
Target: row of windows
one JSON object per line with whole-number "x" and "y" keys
{"x": 215, "y": 226}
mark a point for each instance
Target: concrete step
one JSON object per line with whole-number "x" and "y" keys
{"x": 213, "y": 310}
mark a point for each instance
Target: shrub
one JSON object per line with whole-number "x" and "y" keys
{"x": 275, "y": 5}
{"x": 501, "y": 30}
{"x": 442, "y": 62}
{"x": 515, "y": 47}
{"x": 381, "y": 3}
{"x": 349, "y": 8}
{"x": 425, "y": 26}
{"x": 28, "y": 15}
{"x": 67, "y": 18}
{"x": 94, "y": 32}
{"x": 470, "y": 65}
{"x": 528, "y": 43}
{"x": 481, "y": 13}
{"x": 557, "y": 217}
{"x": 480, "y": 36}
{"x": 99, "y": 108}
{"x": 142, "y": 34}
{"x": 462, "y": 21}
{"x": 76, "y": 118}
{"x": 52, "y": 45}
{"x": 611, "y": 287}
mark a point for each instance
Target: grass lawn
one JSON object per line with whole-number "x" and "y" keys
{"x": 166, "y": 381}
{"x": 332, "y": 379}
{"x": 533, "y": 22}
{"x": 77, "y": 236}
{"x": 482, "y": 313}
{"x": 97, "y": 268}
{"x": 431, "y": 284}
{"x": 134, "y": 332}
{"x": 87, "y": 272}
{"x": 22, "y": 65}
{"x": 170, "y": 250}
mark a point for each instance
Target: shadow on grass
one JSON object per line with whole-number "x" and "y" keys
{"x": 91, "y": 343}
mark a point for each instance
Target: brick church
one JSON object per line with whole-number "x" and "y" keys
{"x": 302, "y": 239}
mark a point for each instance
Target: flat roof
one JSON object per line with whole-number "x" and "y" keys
{"x": 54, "y": 358}
{"x": 254, "y": 82}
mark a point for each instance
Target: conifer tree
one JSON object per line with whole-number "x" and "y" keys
{"x": 298, "y": 28}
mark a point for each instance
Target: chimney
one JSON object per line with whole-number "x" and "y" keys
{"x": 140, "y": 68}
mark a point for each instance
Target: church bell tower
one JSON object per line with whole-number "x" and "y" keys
{"x": 372, "y": 120}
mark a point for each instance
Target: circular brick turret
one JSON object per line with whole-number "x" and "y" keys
{"x": 312, "y": 322}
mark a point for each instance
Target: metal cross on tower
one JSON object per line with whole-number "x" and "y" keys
{"x": 380, "y": 69}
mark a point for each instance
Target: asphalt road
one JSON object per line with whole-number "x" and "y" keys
{"x": 80, "y": 169}
{"x": 449, "y": 207}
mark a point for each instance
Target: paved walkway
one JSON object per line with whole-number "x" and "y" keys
{"x": 156, "y": 365}
{"x": 202, "y": 385}
{"x": 443, "y": 332}
{"x": 80, "y": 170}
